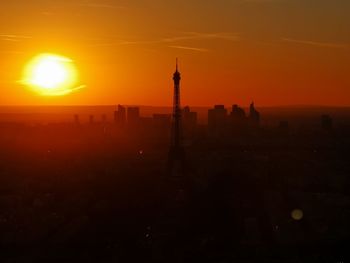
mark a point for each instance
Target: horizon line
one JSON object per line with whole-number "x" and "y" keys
{"x": 185, "y": 105}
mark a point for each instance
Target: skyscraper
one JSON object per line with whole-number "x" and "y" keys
{"x": 120, "y": 116}
{"x": 217, "y": 120}
{"x": 133, "y": 115}
{"x": 237, "y": 113}
{"x": 254, "y": 115}
{"x": 189, "y": 121}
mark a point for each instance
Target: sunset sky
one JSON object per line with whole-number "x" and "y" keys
{"x": 275, "y": 52}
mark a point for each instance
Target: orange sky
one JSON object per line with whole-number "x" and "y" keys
{"x": 275, "y": 52}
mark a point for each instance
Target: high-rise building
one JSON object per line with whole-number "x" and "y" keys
{"x": 254, "y": 115}
{"x": 120, "y": 116}
{"x": 237, "y": 120}
{"x": 217, "y": 120}
{"x": 237, "y": 113}
{"x": 189, "y": 121}
{"x": 133, "y": 115}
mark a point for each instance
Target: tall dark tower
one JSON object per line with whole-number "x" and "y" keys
{"x": 176, "y": 163}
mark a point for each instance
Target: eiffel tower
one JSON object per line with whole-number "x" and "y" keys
{"x": 176, "y": 159}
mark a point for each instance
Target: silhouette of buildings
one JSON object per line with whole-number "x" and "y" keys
{"x": 217, "y": 120}
{"x": 220, "y": 124}
{"x": 161, "y": 122}
{"x": 254, "y": 115}
{"x": 237, "y": 112}
{"x": 240, "y": 202}
{"x": 238, "y": 119}
{"x": 133, "y": 114}
{"x": 189, "y": 121}
{"x": 120, "y": 115}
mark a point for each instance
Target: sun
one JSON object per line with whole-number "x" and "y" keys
{"x": 51, "y": 75}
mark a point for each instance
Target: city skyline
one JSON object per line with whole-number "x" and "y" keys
{"x": 273, "y": 52}
{"x": 174, "y": 131}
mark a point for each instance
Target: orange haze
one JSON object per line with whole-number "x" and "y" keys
{"x": 275, "y": 52}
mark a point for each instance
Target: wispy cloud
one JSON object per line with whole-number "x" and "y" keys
{"x": 54, "y": 8}
{"x": 47, "y": 13}
{"x": 177, "y": 39}
{"x": 13, "y": 38}
{"x": 315, "y": 43}
{"x": 197, "y": 35}
{"x": 262, "y": 1}
{"x": 190, "y": 48}
{"x": 101, "y": 5}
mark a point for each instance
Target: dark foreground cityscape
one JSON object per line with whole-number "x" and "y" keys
{"x": 238, "y": 186}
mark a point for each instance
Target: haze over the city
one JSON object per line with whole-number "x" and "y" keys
{"x": 275, "y": 52}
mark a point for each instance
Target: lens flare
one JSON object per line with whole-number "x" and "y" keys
{"x": 297, "y": 214}
{"x": 51, "y": 75}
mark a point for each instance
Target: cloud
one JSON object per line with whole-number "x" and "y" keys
{"x": 197, "y": 35}
{"x": 190, "y": 48}
{"x": 13, "y": 38}
{"x": 262, "y": 1}
{"x": 99, "y": 5}
{"x": 315, "y": 43}
{"x": 176, "y": 39}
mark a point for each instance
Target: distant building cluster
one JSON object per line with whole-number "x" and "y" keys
{"x": 130, "y": 116}
{"x": 183, "y": 123}
{"x": 220, "y": 121}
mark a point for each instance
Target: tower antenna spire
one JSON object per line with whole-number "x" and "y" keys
{"x": 176, "y": 153}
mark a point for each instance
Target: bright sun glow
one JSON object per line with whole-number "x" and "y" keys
{"x": 51, "y": 75}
